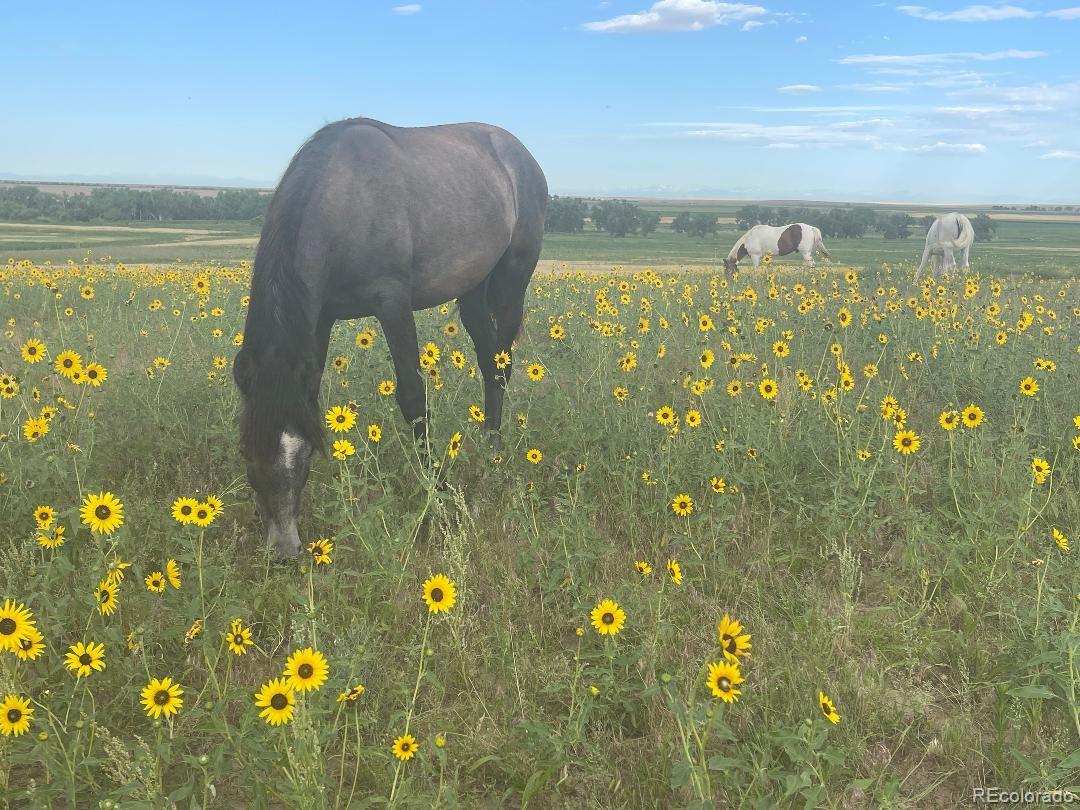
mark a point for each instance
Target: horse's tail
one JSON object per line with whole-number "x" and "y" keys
{"x": 965, "y": 236}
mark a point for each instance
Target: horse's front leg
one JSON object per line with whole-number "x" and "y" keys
{"x": 396, "y": 318}
{"x": 967, "y": 253}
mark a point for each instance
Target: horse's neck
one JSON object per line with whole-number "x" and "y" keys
{"x": 734, "y": 252}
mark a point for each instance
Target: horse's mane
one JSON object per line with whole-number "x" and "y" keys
{"x": 276, "y": 369}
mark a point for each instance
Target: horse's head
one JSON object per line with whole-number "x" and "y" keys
{"x": 731, "y": 264}
{"x": 277, "y": 454}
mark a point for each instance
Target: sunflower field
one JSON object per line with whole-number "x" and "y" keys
{"x": 797, "y": 537}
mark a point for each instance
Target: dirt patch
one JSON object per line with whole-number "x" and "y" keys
{"x": 125, "y": 228}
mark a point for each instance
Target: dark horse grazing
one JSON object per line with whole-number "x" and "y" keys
{"x": 371, "y": 219}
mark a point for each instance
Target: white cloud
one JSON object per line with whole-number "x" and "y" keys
{"x": 782, "y": 145}
{"x": 406, "y": 10}
{"x": 799, "y": 88}
{"x": 952, "y": 148}
{"x": 750, "y": 25}
{"x": 976, "y": 13}
{"x": 938, "y": 58}
{"x": 800, "y": 40}
{"x": 1060, "y": 154}
{"x": 1065, "y": 13}
{"x": 679, "y": 15}
{"x": 877, "y": 88}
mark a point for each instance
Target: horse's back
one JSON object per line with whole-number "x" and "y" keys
{"x": 431, "y": 208}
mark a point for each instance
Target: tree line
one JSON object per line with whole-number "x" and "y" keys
{"x": 28, "y": 204}
{"x": 622, "y": 217}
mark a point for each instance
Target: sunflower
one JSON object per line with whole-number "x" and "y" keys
{"x": 32, "y": 644}
{"x": 276, "y": 699}
{"x": 85, "y": 658}
{"x": 340, "y": 418}
{"x": 733, "y": 641}
{"x": 343, "y": 448}
{"x": 238, "y": 637}
{"x": 1061, "y": 540}
{"x": 674, "y": 571}
{"x": 352, "y": 694}
{"x": 374, "y": 433}
{"x": 620, "y": 393}
{"x": 34, "y": 428}
{"x": 828, "y": 708}
{"x": 320, "y": 551}
{"x": 33, "y": 351}
{"x": 608, "y": 618}
{"x": 476, "y": 414}
{"x": 306, "y": 670}
{"x": 457, "y": 359}
{"x": 454, "y": 447}
{"x": 502, "y": 360}
{"x": 535, "y": 372}
{"x": 1029, "y": 386}
{"x": 15, "y": 622}
{"x": 706, "y": 358}
{"x": 386, "y": 387}
{"x": 693, "y": 419}
{"x": 682, "y": 505}
{"x": 557, "y": 332}
{"x": 665, "y": 415}
{"x": 96, "y": 374}
{"x": 44, "y": 516}
{"x": 534, "y": 456}
{"x": 103, "y": 513}
{"x": 734, "y": 388}
{"x": 404, "y": 747}
{"x": 67, "y": 363}
{"x": 906, "y": 442}
{"x": 203, "y": 515}
{"x": 1040, "y": 469}
{"x": 439, "y": 593}
{"x": 51, "y": 540}
{"x": 718, "y": 485}
{"x": 155, "y": 582}
{"x": 107, "y": 596}
{"x": 948, "y": 420}
{"x": 365, "y": 339}
{"x": 172, "y": 573}
{"x": 643, "y": 567}
{"x": 162, "y": 697}
{"x": 781, "y": 349}
{"x": 972, "y": 416}
{"x": 183, "y": 509}
{"x": 767, "y": 389}
{"x": 722, "y": 680}
{"x": 15, "y": 714}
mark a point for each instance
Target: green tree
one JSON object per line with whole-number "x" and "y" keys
{"x": 681, "y": 223}
{"x": 616, "y": 217}
{"x": 649, "y": 221}
{"x": 565, "y": 215}
{"x": 702, "y": 224}
{"x": 984, "y": 227}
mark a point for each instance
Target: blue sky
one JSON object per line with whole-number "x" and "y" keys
{"x": 788, "y": 100}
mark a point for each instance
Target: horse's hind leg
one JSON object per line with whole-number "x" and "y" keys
{"x": 396, "y": 317}
{"x": 478, "y": 322}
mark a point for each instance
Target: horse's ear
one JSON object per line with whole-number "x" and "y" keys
{"x": 244, "y": 371}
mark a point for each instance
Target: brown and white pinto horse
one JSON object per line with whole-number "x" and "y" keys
{"x": 779, "y": 241}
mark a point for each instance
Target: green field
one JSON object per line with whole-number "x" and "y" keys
{"x": 1038, "y": 245}
{"x": 931, "y": 596}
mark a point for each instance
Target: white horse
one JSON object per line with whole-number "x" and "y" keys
{"x": 779, "y": 240}
{"x": 948, "y": 233}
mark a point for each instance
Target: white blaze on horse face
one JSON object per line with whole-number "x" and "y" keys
{"x": 291, "y": 444}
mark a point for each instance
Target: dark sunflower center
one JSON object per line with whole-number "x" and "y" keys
{"x": 185, "y": 509}
{"x": 723, "y": 683}
{"x": 201, "y": 514}
{"x": 405, "y": 747}
{"x": 103, "y": 595}
{"x": 906, "y": 442}
{"x": 85, "y": 659}
{"x": 825, "y": 708}
{"x": 102, "y": 512}
{"x": 305, "y": 671}
{"x": 238, "y": 640}
{"x": 436, "y": 595}
{"x": 729, "y": 643}
{"x": 7, "y": 626}
{"x": 279, "y": 701}
{"x": 67, "y": 363}
{"x": 608, "y": 618}
{"x": 161, "y": 697}
{"x": 14, "y": 716}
